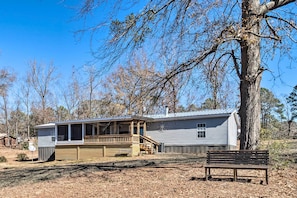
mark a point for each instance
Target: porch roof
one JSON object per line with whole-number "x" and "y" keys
{"x": 110, "y": 119}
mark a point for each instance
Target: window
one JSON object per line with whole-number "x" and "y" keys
{"x": 201, "y": 128}
{"x": 63, "y": 133}
{"x": 76, "y": 132}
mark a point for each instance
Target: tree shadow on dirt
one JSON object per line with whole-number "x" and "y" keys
{"x": 27, "y": 160}
{"x": 222, "y": 179}
{"x": 18, "y": 176}
{"x": 225, "y": 179}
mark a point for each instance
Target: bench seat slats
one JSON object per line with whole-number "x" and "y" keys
{"x": 235, "y": 166}
{"x": 239, "y": 159}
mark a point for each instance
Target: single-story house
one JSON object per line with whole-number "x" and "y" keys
{"x": 195, "y": 132}
{"x": 188, "y": 132}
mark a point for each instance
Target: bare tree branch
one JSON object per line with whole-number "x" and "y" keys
{"x": 272, "y": 5}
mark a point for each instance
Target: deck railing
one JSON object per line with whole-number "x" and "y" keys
{"x": 112, "y": 139}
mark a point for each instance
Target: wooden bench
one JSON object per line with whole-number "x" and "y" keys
{"x": 239, "y": 159}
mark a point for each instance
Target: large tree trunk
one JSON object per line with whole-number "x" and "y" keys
{"x": 251, "y": 73}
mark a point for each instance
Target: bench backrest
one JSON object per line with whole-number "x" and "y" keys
{"x": 260, "y": 157}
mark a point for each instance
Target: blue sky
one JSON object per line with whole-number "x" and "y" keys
{"x": 42, "y": 30}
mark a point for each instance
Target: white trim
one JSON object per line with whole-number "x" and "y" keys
{"x": 69, "y": 132}
{"x": 56, "y": 134}
{"x": 83, "y": 131}
{"x": 73, "y": 142}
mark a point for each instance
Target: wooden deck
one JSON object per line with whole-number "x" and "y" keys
{"x": 95, "y": 146}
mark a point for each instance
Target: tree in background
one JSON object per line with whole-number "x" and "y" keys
{"x": 41, "y": 79}
{"x": 270, "y": 107}
{"x": 130, "y": 87}
{"x": 217, "y": 83}
{"x": 62, "y": 113}
{"x": 92, "y": 84}
{"x": 271, "y": 113}
{"x": 72, "y": 94}
{"x": 18, "y": 123}
{"x": 210, "y": 103}
{"x": 6, "y": 81}
{"x": 292, "y": 111}
{"x": 24, "y": 96}
{"x": 200, "y": 33}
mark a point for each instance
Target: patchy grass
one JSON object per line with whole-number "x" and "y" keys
{"x": 143, "y": 176}
{"x": 3, "y": 159}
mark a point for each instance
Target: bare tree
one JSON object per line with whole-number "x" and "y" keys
{"x": 130, "y": 86}
{"x": 6, "y": 80}
{"x": 24, "y": 96}
{"x": 202, "y": 32}
{"x": 72, "y": 95}
{"x": 127, "y": 87}
{"x": 93, "y": 83}
{"x": 18, "y": 122}
{"x": 41, "y": 79}
{"x": 215, "y": 77}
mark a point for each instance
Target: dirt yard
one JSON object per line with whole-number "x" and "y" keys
{"x": 144, "y": 176}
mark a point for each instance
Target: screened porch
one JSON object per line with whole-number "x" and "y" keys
{"x": 100, "y": 132}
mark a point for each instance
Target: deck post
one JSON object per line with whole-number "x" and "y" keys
{"x": 104, "y": 151}
{"x": 78, "y": 152}
{"x": 266, "y": 174}
{"x": 131, "y": 128}
{"x": 235, "y": 174}
{"x": 138, "y": 127}
{"x": 144, "y": 128}
{"x": 115, "y": 128}
{"x": 97, "y": 131}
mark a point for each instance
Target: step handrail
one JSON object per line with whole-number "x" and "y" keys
{"x": 149, "y": 140}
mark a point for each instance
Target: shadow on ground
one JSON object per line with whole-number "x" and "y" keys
{"x": 19, "y": 176}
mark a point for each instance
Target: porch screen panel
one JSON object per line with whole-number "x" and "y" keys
{"x": 63, "y": 133}
{"x": 76, "y": 132}
{"x": 89, "y": 128}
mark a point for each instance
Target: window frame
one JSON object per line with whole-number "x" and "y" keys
{"x": 201, "y": 130}
{"x": 76, "y": 132}
{"x": 62, "y": 133}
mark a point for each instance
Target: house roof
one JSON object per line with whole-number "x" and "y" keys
{"x": 153, "y": 118}
{"x": 49, "y": 125}
{"x": 213, "y": 113}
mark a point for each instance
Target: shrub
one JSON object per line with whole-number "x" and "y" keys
{"x": 22, "y": 157}
{"x": 3, "y": 159}
{"x": 25, "y": 145}
{"x": 277, "y": 150}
